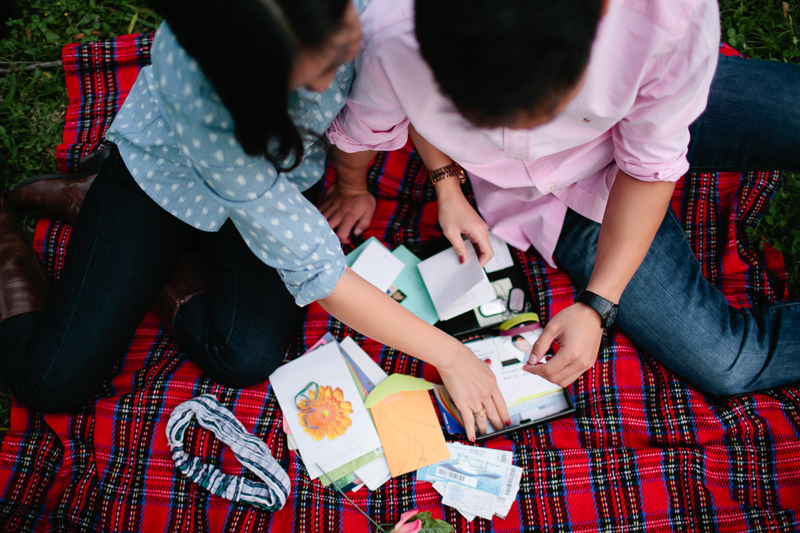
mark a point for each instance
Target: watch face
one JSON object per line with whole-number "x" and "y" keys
{"x": 612, "y": 316}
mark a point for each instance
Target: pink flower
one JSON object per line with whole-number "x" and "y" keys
{"x": 412, "y": 527}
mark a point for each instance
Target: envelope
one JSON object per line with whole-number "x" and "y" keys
{"x": 407, "y": 425}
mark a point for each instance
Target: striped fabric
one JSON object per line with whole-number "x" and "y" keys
{"x": 248, "y": 449}
{"x": 644, "y": 451}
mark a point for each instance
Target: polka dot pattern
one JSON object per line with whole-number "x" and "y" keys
{"x": 178, "y": 141}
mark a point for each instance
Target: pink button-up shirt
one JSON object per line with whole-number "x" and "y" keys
{"x": 649, "y": 73}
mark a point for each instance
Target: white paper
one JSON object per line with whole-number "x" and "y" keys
{"x": 502, "y": 255}
{"x": 326, "y": 367}
{"x": 377, "y": 265}
{"x": 375, "y": 473}
{"x": 455, "y": 288}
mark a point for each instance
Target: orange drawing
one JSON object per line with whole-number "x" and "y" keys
{"x": 323, "y": 411}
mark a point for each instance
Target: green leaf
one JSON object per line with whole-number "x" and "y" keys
{"x": 133, "y": 21}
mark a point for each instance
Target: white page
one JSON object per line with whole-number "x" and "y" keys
{"x": 375, "y": 473}
{"x": 377, "y": 265}
{"x": 477, "y": 296}
{"x": 325, "y": 366}
{"x": 447, "y": 280}
{"x": 502, "y": 255}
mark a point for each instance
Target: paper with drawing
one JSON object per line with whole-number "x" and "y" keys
{"x": 331, "y": 427}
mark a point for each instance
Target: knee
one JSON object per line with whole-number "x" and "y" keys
{"x": 723, "y": 382}
{"x": 51, "y": 399}
{"x": 239, "y": 368}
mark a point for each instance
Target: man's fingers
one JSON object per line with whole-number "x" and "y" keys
{"x": 362, "y": 224}
{"x": 543, "y": 343}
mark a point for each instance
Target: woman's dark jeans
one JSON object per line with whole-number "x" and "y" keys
{"x": 121, "y": 252}
{"x": 752, "y": 122}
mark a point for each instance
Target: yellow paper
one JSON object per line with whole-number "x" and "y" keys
{"x": 394, "y": 384}
{"x": 409, "y": 431}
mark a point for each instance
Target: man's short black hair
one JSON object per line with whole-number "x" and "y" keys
{"x": 499, "y": 59}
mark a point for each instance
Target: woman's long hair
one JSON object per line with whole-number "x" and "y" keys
{"x": 247, "y": 48}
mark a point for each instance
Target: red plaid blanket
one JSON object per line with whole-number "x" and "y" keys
{"x": 644, "y": 451}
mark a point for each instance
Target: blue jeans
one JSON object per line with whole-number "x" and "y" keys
{"x": 752, "y": 122}
{"x": 121, "y": 252}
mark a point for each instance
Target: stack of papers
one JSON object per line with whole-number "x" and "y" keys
{"x": 475, "y": 481}
{"x": 355, "y": 425}
{"x": 394, "y": 273}
{"x": 335, "y": 435}
{"x": 438, "y": 288}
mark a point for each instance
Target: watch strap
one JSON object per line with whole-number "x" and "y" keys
{"x": 605, "y": 308}
{"x": 453, "y": 170}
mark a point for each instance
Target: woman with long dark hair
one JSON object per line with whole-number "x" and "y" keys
{"x": 212, "y": 150}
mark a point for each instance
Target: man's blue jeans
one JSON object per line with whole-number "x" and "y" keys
{"x": 752, "y": 122}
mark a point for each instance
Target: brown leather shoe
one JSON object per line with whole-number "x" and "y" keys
{"x": 57, "y": 194}
{"x": 189, "y": 279}
{"x": 24, "y": 283}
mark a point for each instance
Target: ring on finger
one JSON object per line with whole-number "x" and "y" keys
{"x": 480, "y": 415}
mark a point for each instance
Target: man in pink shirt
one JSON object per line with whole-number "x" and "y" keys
{"x": 570, "y": 114}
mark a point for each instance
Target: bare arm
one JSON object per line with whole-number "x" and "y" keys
{"x": 633, "y": 215}
{"x": 470, "y": 382}
{"x": 456, "y": 215}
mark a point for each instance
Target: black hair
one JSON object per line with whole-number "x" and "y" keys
{"x": 517, "y": 337}
{"x": 499, "y": 59}
{"x": 247, "y": 48}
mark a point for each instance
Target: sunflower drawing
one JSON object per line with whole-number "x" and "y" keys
{"x": 324, "y": 413}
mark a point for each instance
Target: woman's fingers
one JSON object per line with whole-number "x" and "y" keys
{"x": 480, "y": 420}
{"x": 502, "y": 410}
{"x": 493, "y": 416}
{"x": 469, "y": 422}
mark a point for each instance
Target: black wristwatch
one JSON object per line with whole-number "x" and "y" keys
{"x": 607, "y": 310}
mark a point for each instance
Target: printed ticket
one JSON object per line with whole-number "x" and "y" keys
{"x": 471, "y": 500}
{"x": 469, "y": 469}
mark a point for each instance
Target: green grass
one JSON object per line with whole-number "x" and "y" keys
{"x": 33, "y": 102}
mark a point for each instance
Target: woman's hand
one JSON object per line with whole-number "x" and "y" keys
{"x": 457, "y": 217}
{"x": 468, "y": 379}
{"x": 348, "y": 209}
{"x": 473, "y": 387}
{"x": 578, "y": 332}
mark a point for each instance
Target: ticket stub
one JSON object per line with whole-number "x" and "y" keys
{"x": 469, "y": 500}
{"x": 477, "y": 470}
{"x": 510, "y": 489}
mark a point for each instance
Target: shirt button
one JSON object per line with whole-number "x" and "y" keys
{"x": 553, "y": 187}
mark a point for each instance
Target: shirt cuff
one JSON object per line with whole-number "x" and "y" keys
{"x": 388, "y": 141}
{"x": 668, "y": 172}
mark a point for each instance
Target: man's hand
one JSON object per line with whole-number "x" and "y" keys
{"x": 577, "y": 331}
{"x": 348, "y": 209}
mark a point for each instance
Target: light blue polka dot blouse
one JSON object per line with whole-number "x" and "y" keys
{"x": 177, "y": 140}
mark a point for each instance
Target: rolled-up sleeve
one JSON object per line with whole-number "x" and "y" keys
{"x": 652, "y": 140}
{"x": 277, "y": 222}
{"x": 372, "y": 118}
